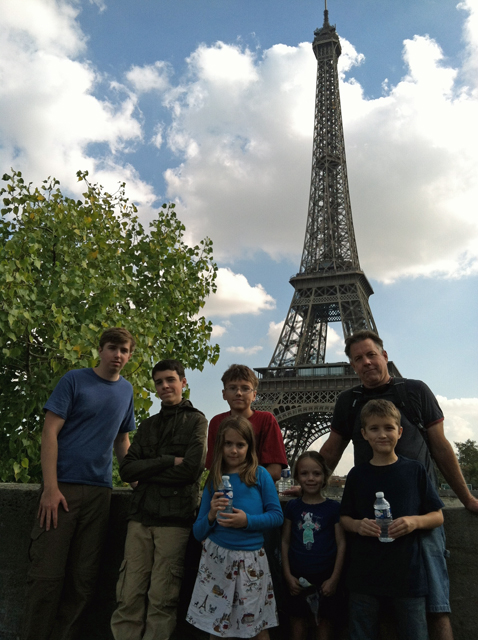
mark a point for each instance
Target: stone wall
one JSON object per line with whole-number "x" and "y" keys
{"x": 17, "y": 508}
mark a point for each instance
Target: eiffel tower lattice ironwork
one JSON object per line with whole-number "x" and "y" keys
{"x": 298, "y": 386}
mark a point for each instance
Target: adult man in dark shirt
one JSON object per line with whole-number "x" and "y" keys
{"x": 369, "y": 361}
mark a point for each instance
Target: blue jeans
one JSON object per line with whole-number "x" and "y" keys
{"x": 364, "y": 617}
{"x": 434, "y": 556}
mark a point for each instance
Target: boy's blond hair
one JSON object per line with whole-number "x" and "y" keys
{"x": 381, "y": 408}
{"x": 240, "y": 372}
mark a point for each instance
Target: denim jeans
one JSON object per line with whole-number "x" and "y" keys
{"x": 434, "y": 556}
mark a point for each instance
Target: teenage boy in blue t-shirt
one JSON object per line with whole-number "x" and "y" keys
{"x": 387, "y": 571}
{"x": 89, "y": 413}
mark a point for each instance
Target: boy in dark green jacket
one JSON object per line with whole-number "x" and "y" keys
{"x": 166, "y": 460}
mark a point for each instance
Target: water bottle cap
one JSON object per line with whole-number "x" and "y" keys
{"x": 225, "y": 478}
{"x": 379, "y": 494}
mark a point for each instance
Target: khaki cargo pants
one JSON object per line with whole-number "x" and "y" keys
{"x": 153, "y": 566}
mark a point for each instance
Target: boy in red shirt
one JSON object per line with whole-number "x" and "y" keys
{"x": 240, "y": 390}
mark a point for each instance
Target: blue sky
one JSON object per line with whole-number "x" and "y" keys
{"x": 210, "y": 104}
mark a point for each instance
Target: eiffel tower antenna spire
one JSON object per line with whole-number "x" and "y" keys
{"x": 298, "y": 386}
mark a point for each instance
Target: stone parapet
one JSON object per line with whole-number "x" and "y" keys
{"x": 17, "y": 510}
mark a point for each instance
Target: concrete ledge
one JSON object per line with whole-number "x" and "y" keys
{"x": 18, "y": 506}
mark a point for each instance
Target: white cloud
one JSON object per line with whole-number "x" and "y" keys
{"x": 42, "y": 25}
{"x": 50, "y": 114}
{"x": 417, "y": 217}
{"x": 244, "y": 351}
{"x": 412, "y": 155}
{"x": 236, "y": 296}
{"x": 218, "y": 331}
{"x": 461, "y": 418}
{"x": 251, "y": 149}
{"x": 157, "y": 139}
{"x": 154, "y": 77}
{"x": 101, "y": 4}
{"x": 241, "y": 126}
{"x": 335, "y": 341}
{"x": 470, "y": 65}
{"x": 335, "y": 345}
{"x": 273, "y": 334}
{"x": 224, "y": 64}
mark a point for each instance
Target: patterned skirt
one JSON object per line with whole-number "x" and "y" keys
{"x": 233, "y": 595}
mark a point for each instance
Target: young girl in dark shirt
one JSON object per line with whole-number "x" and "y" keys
{"x": 313, "y": 547}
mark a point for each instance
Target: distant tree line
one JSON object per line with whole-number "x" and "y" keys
{"x": 468, "y": 460}
{"x": 467, "y": 454}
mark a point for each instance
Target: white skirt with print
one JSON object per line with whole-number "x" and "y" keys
{"x": 233, "y": 595}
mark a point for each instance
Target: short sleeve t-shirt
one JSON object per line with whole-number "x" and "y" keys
{"x": 312, "y": 546}
{"x": 424, "y": 405}
{"x": 95, "y": 410}
{"x": 391, "y": 569}
{"x": 269, "y": 442}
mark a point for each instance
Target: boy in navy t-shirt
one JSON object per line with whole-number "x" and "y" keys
{"x": 392, "y": 571}
{"x": 89, "y": 413}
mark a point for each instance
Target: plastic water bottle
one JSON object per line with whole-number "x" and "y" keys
{"x": 288, "y": 479}
{"x": 285, "y": 481}
{"x": 383, "y": 516}
{"x": 226, "y": 487}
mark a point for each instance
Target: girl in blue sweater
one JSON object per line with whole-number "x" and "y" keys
{"x": 233, "y": 595}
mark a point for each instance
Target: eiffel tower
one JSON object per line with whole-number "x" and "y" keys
{"x": 298, "y": 386}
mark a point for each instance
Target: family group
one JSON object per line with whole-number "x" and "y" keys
{"x": 334, "y": 565}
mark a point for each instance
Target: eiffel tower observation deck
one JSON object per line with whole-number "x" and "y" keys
{"x": 298, "y": 386}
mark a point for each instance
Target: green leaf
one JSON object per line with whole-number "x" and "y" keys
{"x": 17, "y": 469}
{"x": 70, "y": 269}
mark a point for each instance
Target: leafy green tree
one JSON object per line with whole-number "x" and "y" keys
{"x": 68, "y": 270}
{"x": 468, "y": 460}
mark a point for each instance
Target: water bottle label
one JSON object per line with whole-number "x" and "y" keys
{"x": 228, "y": 494}
{"x": 382, "y": 514}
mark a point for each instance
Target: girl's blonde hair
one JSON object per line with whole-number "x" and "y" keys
{"x": 243, "y": 427}
{"x": 320, "y": 460}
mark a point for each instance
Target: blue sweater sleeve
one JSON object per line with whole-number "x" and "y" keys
{"x": 272, "y": 516}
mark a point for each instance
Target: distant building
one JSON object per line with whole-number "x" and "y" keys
{"x": 337, "y": 481}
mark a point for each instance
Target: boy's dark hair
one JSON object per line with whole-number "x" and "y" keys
{"x": 381, "y": 408}
{"x": 240, "y": 372}
{"x": 320, "y": 460}
{"x": 117, "y": 335}
{"x": 169, "y": 365}
{"x": 243, "y": 427}
{"x": 360, "y": 336}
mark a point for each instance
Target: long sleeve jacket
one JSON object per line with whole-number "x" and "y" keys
{"x": 167, "y": 494}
